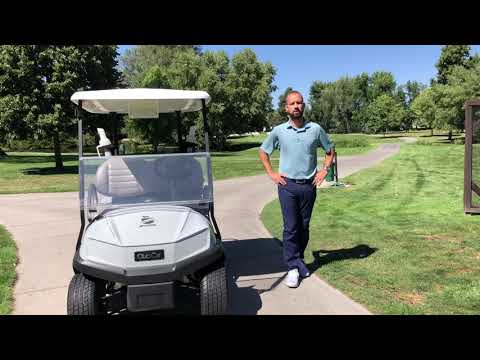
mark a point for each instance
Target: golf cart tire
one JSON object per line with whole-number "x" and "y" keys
{"x": 214, "y": 292}
{"x": 83, "y": 296}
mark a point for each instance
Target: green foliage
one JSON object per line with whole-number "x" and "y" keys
{"x": 282, "y": 101}
{"x": 37, "y": 81}
{"x": 381, "y": 83}
{"x": 139, "y": 59}
{"x": 342, "y": 106}
{"x": 451, "y": 56}
{"x": 240, "y": 87}
{"x": 463, "y": 84}
{"x": 384, "y": 113}
{"x": 423, "y": 108}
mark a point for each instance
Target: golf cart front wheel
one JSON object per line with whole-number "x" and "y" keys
{"x": 84, "y": 296}
{"x": 214, "y": 293}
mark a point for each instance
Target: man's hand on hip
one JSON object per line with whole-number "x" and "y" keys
{"x": 319, "y": 177}
{"x": 278, "y": 178}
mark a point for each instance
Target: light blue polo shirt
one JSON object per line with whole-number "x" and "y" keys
{"x": 298, "y": 148}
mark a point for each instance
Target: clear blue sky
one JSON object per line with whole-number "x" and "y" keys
{"x": 299, "y": 65}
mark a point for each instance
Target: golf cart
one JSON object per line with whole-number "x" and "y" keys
{"x": 147, "y": 221}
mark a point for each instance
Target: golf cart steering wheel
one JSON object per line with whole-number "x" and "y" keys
{"x": 92, "y": 202}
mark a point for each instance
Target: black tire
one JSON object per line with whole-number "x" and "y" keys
{"x": 84, "y": 296}
{"x": 214, "y": 293}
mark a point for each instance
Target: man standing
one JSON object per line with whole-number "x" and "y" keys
{"x": 297, "y": 179}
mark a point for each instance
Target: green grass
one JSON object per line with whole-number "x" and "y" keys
{"x": 27, "y": 172}
{"x": 397, "y": 240}
{"x": 8, "y": 260}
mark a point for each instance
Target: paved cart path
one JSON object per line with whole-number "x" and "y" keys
{"x": 45, "y": 228}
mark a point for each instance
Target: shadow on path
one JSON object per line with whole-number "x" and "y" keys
{"x": 252, "y": 258}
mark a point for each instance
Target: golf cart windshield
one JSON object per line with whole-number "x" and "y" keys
{"x": 119, "y": 181}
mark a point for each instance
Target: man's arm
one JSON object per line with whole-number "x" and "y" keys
{"x": 277, "y": 178}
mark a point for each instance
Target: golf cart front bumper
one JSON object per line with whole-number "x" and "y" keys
{"x": 150, "y": 288}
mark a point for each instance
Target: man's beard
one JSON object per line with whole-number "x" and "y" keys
{"x": 295, "y": 116}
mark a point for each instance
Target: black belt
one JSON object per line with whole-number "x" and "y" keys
{"x": 302, "y": 181}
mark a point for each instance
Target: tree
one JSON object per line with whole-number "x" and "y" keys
{"x": 55, "y": 73}
{"x": 462, "y": 85}
{"x": 412, "y": 90}
{"x": 344, "y": 103}
{"x": 381, "y": 83}
{"x": 384, "y": 113}
{"x": 362, "y": 99}
{"x": 423, "y": 109}
{"x": 282, "y": 101}
{"x": 240, "y": 88}
{"x": 181, "y": 71}
{"x": 138, "y": 60}
{"x": 249, "y": 85}
{"x": 451, "y": 56}
{"x": 322, "y": 103}
{"x": 20, "y": 83}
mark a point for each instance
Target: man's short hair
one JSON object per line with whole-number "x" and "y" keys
{"x": 293, "y": 92}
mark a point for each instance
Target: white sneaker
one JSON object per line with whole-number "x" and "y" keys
{"x": 292, "y": 278}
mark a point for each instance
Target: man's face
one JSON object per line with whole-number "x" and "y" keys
{"x": 294, "y": 106}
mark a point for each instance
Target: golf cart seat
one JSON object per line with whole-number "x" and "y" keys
{"x": 114, "y": 178}
{"x": 183, "y": 175}
{"x": 128, "y": 180}
{"x": 177, "y": 178}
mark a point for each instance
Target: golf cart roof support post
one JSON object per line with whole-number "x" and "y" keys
{"x": 179, "y": 130}
{"x": 205, "y": 125}
{"x": 115, "y": 133}
{"x": 80, "y": 130}
{"x": 80, "y": 154}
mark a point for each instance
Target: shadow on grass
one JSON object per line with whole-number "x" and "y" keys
{"x": 225, "y": 154}
{"x": 325, "y": 257}
{"x": 237, "y": 136}
{"x": 29, "y": 159}
{"x": 51, "y": 171}
{"x": 242, "y": 146}
{"x": 389, "y": 136}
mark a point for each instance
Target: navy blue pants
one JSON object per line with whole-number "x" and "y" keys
{"x": 296, "y": 201}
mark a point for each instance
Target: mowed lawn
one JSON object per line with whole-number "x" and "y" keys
{"x": 8, "y": 260}
{"x": 27, "y": 172}
{"x": 397, "y": 240}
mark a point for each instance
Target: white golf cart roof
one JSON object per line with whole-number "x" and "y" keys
{"x": 140, "y": 103}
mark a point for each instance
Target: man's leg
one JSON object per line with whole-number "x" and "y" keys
{"x": 306, "y": 203}
{"x": 289, "y": 204}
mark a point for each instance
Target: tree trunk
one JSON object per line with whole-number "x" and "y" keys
{"x": 431, "y": 132}
{"x": 450, "y": 135}
{"x": 57, "y": 150}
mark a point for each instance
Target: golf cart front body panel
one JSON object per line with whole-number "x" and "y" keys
{"x": 133, "y": 238}
{"x": 150, "y": 275}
